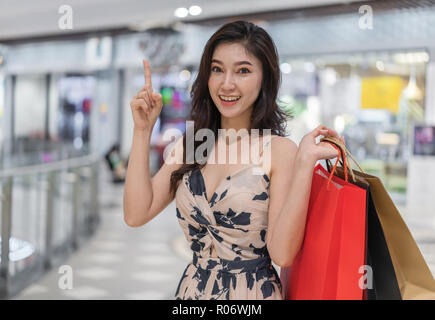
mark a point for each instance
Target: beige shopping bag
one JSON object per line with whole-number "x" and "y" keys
{"x": 413, "y": 275}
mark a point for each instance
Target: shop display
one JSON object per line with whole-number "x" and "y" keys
{"x": 381, "y": 93}
{"x": 370, "y": 98}
{"x": 117, "y": 165}
{"x": 174, "y": 88}
{"x": 75, "y": 96}
{"x": 424, "y": 140}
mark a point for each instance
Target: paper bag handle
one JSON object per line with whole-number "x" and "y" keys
{"x": 344, "y": 152}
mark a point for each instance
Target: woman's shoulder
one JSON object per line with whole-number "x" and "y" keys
{"x": 282, "y": 144}
{"x": 283, "y": 151}
{"x": 278, "y": 144}
{"x": 277, "y": 150}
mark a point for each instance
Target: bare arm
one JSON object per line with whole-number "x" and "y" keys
{"x": 288, "y": 228}
{"x": 144, "y": 197}
{"x": 292, "y": 172}
{"x": 138, "y": 193}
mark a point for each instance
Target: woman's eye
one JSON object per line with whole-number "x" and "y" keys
{"x": 215, "y": 69}
{"x": 244, "y": 70}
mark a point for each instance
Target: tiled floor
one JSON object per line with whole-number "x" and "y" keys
{"x": 120, "y": 262}
{"x": 421, "y": 223}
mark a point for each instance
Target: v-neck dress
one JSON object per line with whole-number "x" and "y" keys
{"x": 227, "y": 235}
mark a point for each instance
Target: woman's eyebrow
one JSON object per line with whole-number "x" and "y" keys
{"x": 238, "y": 63}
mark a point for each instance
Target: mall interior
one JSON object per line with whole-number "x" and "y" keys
{"x": 68, "y": 73}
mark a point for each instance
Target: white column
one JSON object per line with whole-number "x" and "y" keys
{"x": 430, "y": 90}
{"x": 7, "y": 116}
{"x": 421, "y": 169}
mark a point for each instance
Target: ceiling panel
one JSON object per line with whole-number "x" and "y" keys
{"x": 29, "y": 18}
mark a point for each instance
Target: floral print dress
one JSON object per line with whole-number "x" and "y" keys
{"x": 227, "y": 235}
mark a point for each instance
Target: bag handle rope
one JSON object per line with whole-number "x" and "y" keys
{"x": 343, "y": 154}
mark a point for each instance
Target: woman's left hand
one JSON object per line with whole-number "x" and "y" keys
{"x": 322, "y": 150}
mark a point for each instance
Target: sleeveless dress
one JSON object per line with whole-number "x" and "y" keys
{"x": 227, "y": 235}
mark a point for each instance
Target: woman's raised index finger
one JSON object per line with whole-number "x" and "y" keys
{"x": 147, "y": 71}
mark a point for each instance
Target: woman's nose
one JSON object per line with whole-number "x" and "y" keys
{"x": 228, "y": 83}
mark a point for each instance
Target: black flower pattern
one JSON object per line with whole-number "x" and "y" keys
{"x": 227, "y": 236}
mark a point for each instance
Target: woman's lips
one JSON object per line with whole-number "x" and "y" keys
{"x": 228, "y": 103}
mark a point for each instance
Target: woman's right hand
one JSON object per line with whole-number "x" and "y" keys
{"x": 146, "y": 105}
{"x": 312, "y": 151}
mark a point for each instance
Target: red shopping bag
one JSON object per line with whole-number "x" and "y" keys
{"x": 328, "y": 265}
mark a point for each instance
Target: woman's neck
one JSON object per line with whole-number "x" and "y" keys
{"x": 237, "y": 123}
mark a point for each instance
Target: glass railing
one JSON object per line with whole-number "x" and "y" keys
{"x": 47, "y": 211}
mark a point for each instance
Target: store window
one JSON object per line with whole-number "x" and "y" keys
{"x": 373, "y": 99}
{"x": 2, "y": 106}
{"x": 29, "y": 113}
{"x": 76, "y": 94}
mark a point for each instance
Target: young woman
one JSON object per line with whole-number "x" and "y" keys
{"x": 236, "y": 220}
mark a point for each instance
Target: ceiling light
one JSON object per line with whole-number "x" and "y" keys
{"x": 184, "y": 75}
{"x": 410, "y": 57}
{"x": 400, "y": 58}
{"x": 412, "y": 91}
{"x": 330, "y": 76}
{"x": 339, "y": 123}
{"x": 380, "y": 65}
{"x": 391, "y": 139}
{"x": 424, "y": 57}
{"x": 309, "y": 67}
{"x": 285, "y": 67}
{"x": 181, "y": 12}
{"x": 195, "y": 10}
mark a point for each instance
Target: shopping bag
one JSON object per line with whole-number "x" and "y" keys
{"x": 333, "y": 250}
{"x": 381, "y": 278}
{"x": 413, "y": 276}
{"x": 381, "y": 282}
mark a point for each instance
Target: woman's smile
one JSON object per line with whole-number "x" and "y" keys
{"x": 229, "y": 100}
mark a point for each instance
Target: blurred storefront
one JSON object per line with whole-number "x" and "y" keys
{"x": 372, "y": 98}
{"x": 70, "y": 97}
{"x": 370, "y": 83}
{"x": 53, "y": 90}
{"x": 366, "y": 71}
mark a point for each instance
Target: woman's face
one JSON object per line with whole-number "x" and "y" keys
{"x": 235, "y": 75}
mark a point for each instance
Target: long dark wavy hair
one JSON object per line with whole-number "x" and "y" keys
{"x": 266, "y": 113}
